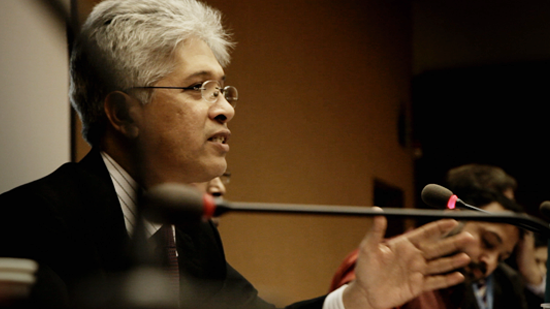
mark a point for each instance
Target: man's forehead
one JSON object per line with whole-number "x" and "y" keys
{"x": 196, "y": 59}
{"x": 507, "y": 234}
{"x": 494, "y": 206}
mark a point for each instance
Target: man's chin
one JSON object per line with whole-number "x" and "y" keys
{"x": 211, "y": 169}
{"x": 472, "y": 275}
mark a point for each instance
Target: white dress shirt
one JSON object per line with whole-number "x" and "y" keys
{"x": 126, "y": 189}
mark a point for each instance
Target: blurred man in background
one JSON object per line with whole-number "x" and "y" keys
{"x": 471, "y": 178}
{"x": 494, "y": 243}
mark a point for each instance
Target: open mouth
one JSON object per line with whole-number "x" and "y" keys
{"x": 218, "y": 139}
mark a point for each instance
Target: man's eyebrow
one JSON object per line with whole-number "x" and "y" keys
{"x": 492, "y": 234}
{"x": 496, "y": 235}
{"x": 202, "y": 74}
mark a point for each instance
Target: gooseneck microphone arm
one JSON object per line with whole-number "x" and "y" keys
{"x": 441, "y": 197}
{"x": 180, "y": 204}
{"x": 522, "y": 220}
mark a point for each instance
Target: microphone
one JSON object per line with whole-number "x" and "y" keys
{"x": 438, "y": 196}
{"x": 180, "y": 204}
{"x": 545, "y": 209}
{"x": 177, "y": 204}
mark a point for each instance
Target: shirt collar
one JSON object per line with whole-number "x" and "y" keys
{"x": 127, "y": 190}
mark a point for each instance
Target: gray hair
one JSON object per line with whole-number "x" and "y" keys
{"x": 131, "y": 43}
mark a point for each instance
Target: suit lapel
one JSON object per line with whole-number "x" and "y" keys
{"x": 102, "y": 213}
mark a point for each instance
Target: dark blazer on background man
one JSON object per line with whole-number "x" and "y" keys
{"x": 507, "y": 293}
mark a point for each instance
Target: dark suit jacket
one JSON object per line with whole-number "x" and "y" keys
{"x": 507, "y": 289}
{"x": 71, "y": 223}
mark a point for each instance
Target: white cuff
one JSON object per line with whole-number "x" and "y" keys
{"x": 335, "y": 300}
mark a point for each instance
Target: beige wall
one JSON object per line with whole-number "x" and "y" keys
{"x": 321, "y": 85}
{"x": 34, "y": 108}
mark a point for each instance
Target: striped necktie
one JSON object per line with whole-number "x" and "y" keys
{"x": 481, "y": 293}
{"x": 167, "y": 245}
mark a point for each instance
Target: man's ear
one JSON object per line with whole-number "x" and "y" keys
{"x": 118, "y": 106}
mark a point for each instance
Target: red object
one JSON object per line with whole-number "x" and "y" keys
{"x": 209, "y": 206}
{"x": 344, "y": 273}
{"x": 451, "y": 204}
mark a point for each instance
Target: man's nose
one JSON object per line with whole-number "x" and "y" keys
{"x": 222, "y": 111}
{"x": 491, "y": 260}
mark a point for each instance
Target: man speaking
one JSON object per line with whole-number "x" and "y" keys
{"x": 148, "y": 82}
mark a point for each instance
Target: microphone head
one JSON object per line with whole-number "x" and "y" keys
{"x": 545, "y": 209}
{"x": 173, "y": 203}
{"x": 436, "y": 196}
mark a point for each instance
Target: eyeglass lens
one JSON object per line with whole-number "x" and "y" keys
{"x": 226, "y": 178}
{"x": 211, "y": 91}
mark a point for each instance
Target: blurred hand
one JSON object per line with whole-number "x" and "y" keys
{"x": 393, "y": 272}
{"x": 527, "y": 264}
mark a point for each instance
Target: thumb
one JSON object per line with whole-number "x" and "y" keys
{"x": 377, "y": 231}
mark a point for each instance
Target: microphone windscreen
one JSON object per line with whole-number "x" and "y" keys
{"x": 173, "y": 203}
{"x": 436, "y": 196}
{"x": 545, "y": 209}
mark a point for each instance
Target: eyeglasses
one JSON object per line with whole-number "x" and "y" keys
{"x": 226, "y": 177}
{"x": 210, "y": 91}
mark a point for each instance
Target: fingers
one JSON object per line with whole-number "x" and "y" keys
{"x": 445, "y": 246}
{"x": 447, "y": 264}
{"x": 432, "y": 230}
{"x": 526, "y": 249}
{"x": 442, "y": 281}
{"x": 528, "y": 240}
